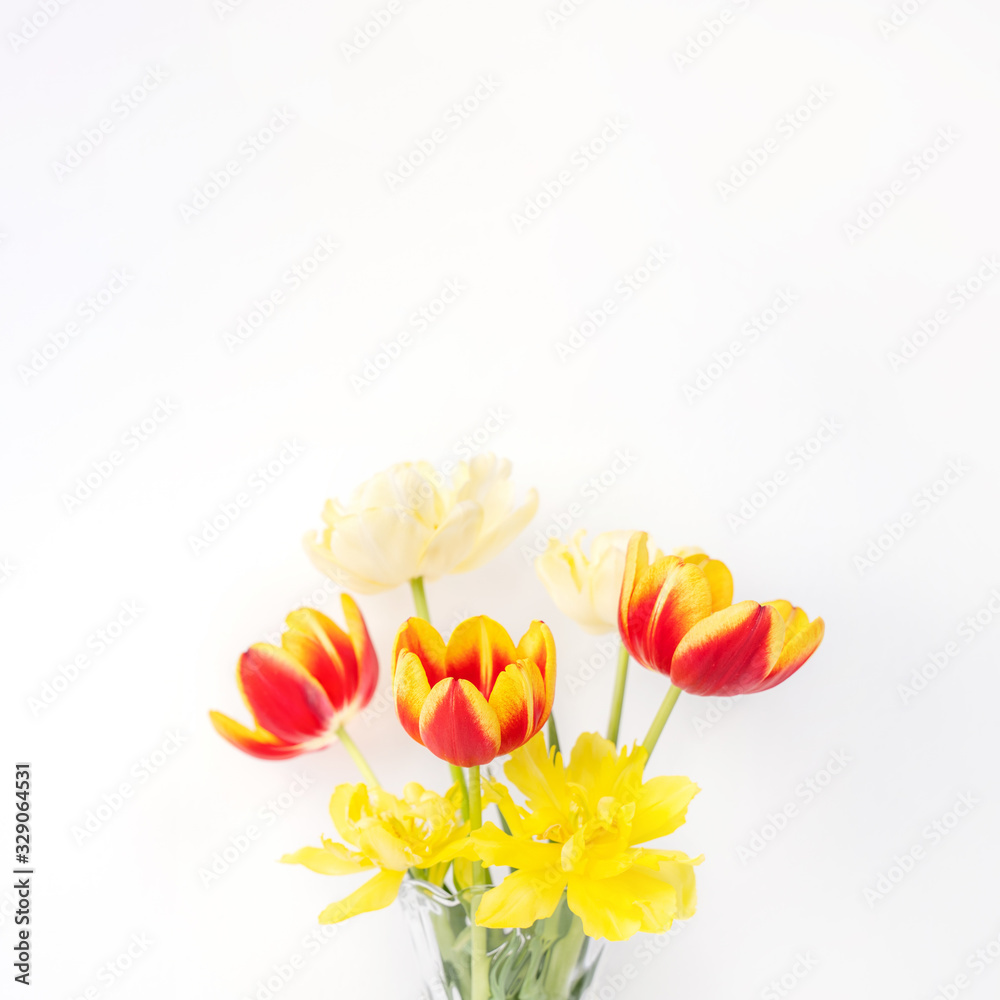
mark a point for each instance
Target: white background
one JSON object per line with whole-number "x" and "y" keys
{"x": 691, "y": 462}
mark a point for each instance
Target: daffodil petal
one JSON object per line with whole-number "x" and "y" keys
{"x": 522, "y": 898}
{"x": 606, "y": 907}
{"x": 661, "y": 807}
{"x": 386, "y": 849}
{"x": 331, "y": 859}
{"x": 495, "y": 792}
{"x": 344, "y": 809}
{"x": 495, "y": 847}
{"x": 375, "y": 894}
{"x": 533, "y": 771}
{"x": 456, "y": 849}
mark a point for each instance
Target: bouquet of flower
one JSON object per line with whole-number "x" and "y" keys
{"x": 516, "y": 907}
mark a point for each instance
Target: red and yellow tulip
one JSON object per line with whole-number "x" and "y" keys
{"x": 675, "y": 616}
{"x": 301, "y": 692}
{"x": 662, "y": 600}
{"x": 477, "y": 697}
{"x": 745, "y": 648}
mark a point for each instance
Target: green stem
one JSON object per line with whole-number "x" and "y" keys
{"x": 480, "y": 960}
{"x": 457, "y": 774}
{"x": 420, "y": 598}
{"x": 661, "y": 719}
{"x": 551, "y": 730}
{"x": 618, "y": 696}
{"x": 352, "y": 748}
{"x": 564, "y": 954}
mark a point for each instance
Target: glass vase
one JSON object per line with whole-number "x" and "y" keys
{"x": 551, "y": 960}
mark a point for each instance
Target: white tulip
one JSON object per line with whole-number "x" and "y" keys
{"x": 586, "y": 588}
{"x": 409, "y": 521}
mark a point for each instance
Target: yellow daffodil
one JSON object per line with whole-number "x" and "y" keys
{"x": 578, "y": 833}
{"x": 586, "y": 588}
{"x": 410, "y": 521}
{"x": 389, "y": 835}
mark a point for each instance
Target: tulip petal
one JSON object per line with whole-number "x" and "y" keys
{"x": 316, "y": 547}
{"x": 523, "y": 897}
{"x": 383, "y": 544}
{"x": 257, "y": 743}
{"x": 325, "y": 651}
{"x": 477, "y": 651}
{"x": 797, "y": 649}
{"x": 283, "y": 696}
{"x": 405, "y": 486}
{"x": 730, "y": 652}
{"x": 559, "y": 569}
{"x": 375, "y": 894}
{"x": 684, "y": 599}
{"x": 409, "y": 691}
{"x": 606, "y": 579}
{"x": 421, "y": 638}
{"x": 659, "y": 602}
{"x": 784, "y": 608}
{"x": 539, "y": 646}
{"x": 519, "y": 700}
{"x": 720, "y": 582}
{"x": 496, "y": 538}
{"x": 458, "y": 725}
{"x": 364, "y": 651}
{"x": 636, "y": 564}
{"x": 453, "y": 540}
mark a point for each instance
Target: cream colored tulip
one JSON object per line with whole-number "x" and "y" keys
{"x": 586, "y": 588}
{"x": 410, "y": 521}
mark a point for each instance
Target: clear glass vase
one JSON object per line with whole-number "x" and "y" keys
{"x": 551, "y": 960}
